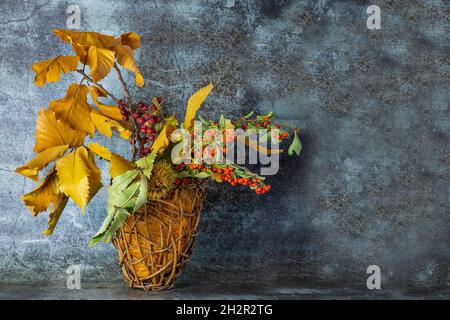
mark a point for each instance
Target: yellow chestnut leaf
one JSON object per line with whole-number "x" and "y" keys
{"x": 125, "y": 57}
{"x": 55, "y": 213}
{"x": 79, "y": 178}
{"x": 32, "y": 167}
{"x": 46, "y": 193}
{"x": 194, "y": 103}
{"x": 50, "y": 70}
{"x": 74, "y": 109}
{"x": 217, "y": 177}
{"x": 104, "y": 125}
{"x": 112, "y": 112}
{"x": 163, "y": 139}
{"x": 95, "y": 179}
{"x": 86, "y": 38}
{"x": 119, "y": 165}
{"x": 99, "y": 150}
{"x": 51, "y": 132}
{"x": 81, "y": 41}
{"x": 100, "y": 61}
{"x": 130, "y": 39}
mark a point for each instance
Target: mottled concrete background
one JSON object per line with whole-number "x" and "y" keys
{"x": 371, "y": 187}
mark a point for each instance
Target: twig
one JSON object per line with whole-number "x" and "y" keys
{"x": 130, "y": 106}
{"x": 89, "y": 79}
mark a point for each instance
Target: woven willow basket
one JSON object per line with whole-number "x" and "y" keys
{"x": 155, "y": 243}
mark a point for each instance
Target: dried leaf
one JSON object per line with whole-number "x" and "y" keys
{"x": 112, "y": 112}
{"x": 100, "y": 61}
{"x": 51, "y": 132}
{"x": 163, "y": 140}
{"x": 125, "y": 57}
{"x": 45, "y": 194}
{"x": 119, "y": 165}
{"x": 105, "y": 125}
{"x": 50, "y": 70}
{"x": 130, "y": 39}
{"x": 81, "y": 41}
{"x": 217, "y": 177}
{"x": 55, "y": 213}
{"x": 32, "y": 167}
{"x": 79, "y": 178}
{"x": 194, "y": 103}
{"x": 74, "y": 109}
{"x": 86, "y": 38}
{"x": 100, "y": 150}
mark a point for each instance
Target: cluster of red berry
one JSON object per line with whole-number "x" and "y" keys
{"x": 146, "y": 117}
{"x": 183, "y": 181}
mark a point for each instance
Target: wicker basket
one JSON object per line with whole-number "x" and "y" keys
{"x": 155, "y": 243}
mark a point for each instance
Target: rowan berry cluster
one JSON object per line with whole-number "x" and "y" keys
{"x": 147, "y": 119}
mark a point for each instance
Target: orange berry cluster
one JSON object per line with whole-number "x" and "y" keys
{"x": 254, "y": 183}
{"x": 265, "y": 123}
{"x": 228, "y": 174}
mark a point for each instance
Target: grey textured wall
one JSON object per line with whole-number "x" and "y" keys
{"x": 372, "y": 186}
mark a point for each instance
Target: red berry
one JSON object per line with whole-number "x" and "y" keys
{"x": 143, "y": 129}
{"x": 140, "y": 120}
{"x": 147, "y": 116}
{"x": 151, "y": 121}
{"x": 159, "y": 100}
{"x": 123, "y": 112}
{"x": 135, "y": 115}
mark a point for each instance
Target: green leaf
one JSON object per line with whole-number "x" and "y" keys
{"x": 202, "y": 175}
{"x": 248, "y": 115}
{"x": 116, "y": 224}
{"x": 296, "y": 145}
{"x": 203, "y": 120}
{"x": 122, "y": 196}
{"x": 125, "y": 198}
{"x": 222, "y": 121}
{"x": 122, "y": 181}
{"x": 146, "y": 164}
{"x": 142, "y": 196}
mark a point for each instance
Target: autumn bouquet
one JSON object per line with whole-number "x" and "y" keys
{"x": 156, "y": 191}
